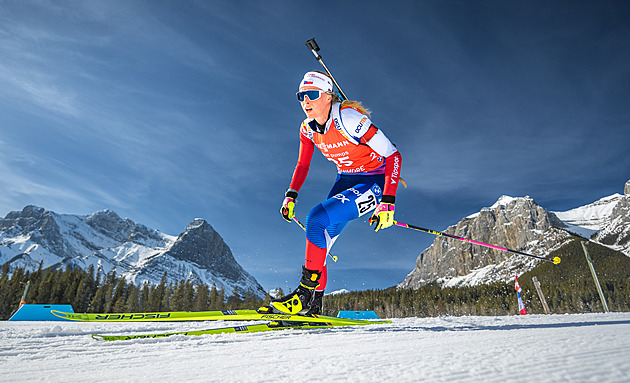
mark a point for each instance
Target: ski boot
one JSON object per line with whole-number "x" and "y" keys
{"x": 299, "y": 301}
{"x": 317, "y": 304}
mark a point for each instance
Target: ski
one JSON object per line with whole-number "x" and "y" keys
{"x": 226, "y": 315}
{"x": 272, "y": 326}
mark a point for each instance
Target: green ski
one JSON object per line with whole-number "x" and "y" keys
{"x": 272, "y": 326}
{"x": 226, "y": 315}
{"x": 224, "y": 330}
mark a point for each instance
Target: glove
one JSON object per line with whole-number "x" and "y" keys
{"x": 288, "y": 204}
{"x": 383, "y": 216}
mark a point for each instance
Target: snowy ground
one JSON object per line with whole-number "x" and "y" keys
{"x": 535, "y": 348}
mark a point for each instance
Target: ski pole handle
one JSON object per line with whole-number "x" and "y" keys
{"x": 312, "y": 45}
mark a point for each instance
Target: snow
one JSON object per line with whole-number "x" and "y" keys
{"x": 474, "y": 278}
{"x": 589, "y": 219}
{"x": 584, "y": 220}
{"x": 536, "y": 348}
{"x": 504, "y": 200}
{"x": 337, "y": 292}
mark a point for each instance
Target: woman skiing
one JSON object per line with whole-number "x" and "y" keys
{"x": 368, "y": 174}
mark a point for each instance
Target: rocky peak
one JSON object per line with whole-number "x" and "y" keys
{"x": 110, "y": 224}
{"x": 37, "y": 223}
{"x": 616, "y": 232}
{"x": 30, "y": 218}
{"x": 197, "y": 223}
{"x": 201, "y": 244}
{"x": 515, "y": 223}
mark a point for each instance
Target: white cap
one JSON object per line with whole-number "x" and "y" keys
{"x": 317, "y": 80}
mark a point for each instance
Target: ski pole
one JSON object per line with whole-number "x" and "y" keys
{"x": 555, "y": 260}
{"x": 312, "y": 45}
{"x": 334, "y": 257}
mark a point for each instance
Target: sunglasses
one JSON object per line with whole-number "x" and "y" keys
{"x": 311, "y": 94}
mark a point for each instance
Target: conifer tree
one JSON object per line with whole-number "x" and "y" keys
{"x": 202, "y": 298}
{"x": 144, "y": 304}
{"x": 119, "y": 297}
{"x": 157, "y": 295}
{"x": 132, "y": 303}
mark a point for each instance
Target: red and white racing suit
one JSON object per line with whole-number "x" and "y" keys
{"x": 368, "y": 167}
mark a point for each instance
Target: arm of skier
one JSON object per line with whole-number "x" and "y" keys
{"x": 305, "y": 154}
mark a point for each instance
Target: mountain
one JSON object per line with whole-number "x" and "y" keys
{"x": 589, "y": 219}
{"x": 606, "y": 221}
{"x": 106, "y": 241}
{"x": 519, "y": 224}
{"x": 615, "y": 232}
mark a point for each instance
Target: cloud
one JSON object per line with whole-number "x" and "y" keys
{"x": 20, "y": 187}
{"x": 29, "y": 88}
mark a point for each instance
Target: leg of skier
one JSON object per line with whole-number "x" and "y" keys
{"x": 323, "y": 224}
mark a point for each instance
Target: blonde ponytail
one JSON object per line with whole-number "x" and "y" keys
{"x": 350, "y": 103}
{"x": 356, "y": 105}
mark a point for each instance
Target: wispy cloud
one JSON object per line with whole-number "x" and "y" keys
{"x": 57, "y": 191}
{"x": 32, "y": 88}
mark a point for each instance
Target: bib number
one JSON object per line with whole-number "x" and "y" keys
{"x": 366, "y": 202}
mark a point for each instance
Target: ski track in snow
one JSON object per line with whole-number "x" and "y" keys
{"x": 534, "y": 348}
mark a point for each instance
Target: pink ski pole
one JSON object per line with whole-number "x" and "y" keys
{"x": 555, "y": 260}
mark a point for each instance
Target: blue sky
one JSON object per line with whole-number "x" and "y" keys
{"x": 165, "y": 111}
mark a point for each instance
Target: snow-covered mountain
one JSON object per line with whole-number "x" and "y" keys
{"x": 589, "y": 219}
{"x": 605, "y": 221}
{"x": 615, "y": 231}
{"x": 519, "y": 224}
{"x": 134, "y": 251}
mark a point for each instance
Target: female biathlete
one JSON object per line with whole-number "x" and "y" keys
{"x": 368, "y": 175}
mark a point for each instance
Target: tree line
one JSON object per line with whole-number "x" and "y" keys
{"x": 568, "y": 288}
{"x": 94, "y": 292}
{"x": 494, "y": 299}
